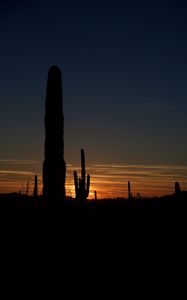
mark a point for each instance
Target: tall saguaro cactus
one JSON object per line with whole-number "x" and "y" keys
{"x": 82, "y": 186}
{"x": 54, "y": 168}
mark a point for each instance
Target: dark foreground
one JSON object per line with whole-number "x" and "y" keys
{"x": 120, "y": 230}
{"x": 101, "y": 245}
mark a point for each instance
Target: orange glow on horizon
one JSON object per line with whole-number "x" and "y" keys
{"x": 108, "y": 180}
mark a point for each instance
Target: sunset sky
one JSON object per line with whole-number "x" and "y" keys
{"x": 124, "y": 69}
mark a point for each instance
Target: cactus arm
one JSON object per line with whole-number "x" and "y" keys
{"x": 88, "y": 186}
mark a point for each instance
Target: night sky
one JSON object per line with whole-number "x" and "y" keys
{"x": 124, "y": 67}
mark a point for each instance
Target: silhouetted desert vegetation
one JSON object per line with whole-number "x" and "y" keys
{"x": 82, "y": 227}
{"x": 18, "y": 200}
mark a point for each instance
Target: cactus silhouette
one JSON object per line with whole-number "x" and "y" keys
{"x": 54, "y": 168}
{"x": 35, "y": 192}
{"x": 129, "y": 190}
{"x": 81, "y": 186}
{"x": 177, "y": 188}
{"x": 27, "y": 189}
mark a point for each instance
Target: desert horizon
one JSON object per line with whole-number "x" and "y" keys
{"x": 109, "y": 180}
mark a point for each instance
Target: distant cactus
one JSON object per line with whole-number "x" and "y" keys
{"x": 177, "y": 188}
{"x": 27, "y": 189}
{"x": 81, "y": 186}
{"x": 129, "y": 190}
{"x": 35, "y": 192}
{"x": 54, "y": 168}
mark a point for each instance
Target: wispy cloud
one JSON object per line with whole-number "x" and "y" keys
{"x": 19, "y": 161}
{"x": 16, "y": 172}
{"x": 153, "y": 106}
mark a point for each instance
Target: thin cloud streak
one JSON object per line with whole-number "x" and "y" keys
{"x": 24, "y": 173}
{"x": 153, "y": 106}
{"x": 19, "y": 161}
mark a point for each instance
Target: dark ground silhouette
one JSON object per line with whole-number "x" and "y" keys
{"x": 135, "y": 226}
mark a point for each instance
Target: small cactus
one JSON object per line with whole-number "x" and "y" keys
{"x": 129, "y": 190}
{"x": 82, "y": 187}
{"x": 27, "y": 189}
{"x": 35, "y": 192}
{"x": 177, "y": 188}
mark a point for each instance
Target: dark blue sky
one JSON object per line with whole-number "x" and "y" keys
{"x": 124, "y": 67}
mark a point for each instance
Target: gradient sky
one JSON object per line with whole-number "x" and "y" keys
{"x": 124, "y": 70}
